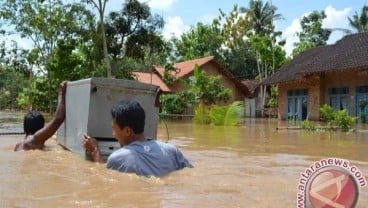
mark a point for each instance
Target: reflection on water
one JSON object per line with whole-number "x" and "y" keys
{"x": 253, "y": 165}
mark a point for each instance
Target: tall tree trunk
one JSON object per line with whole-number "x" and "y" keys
{"x": 106, "y": 54}
{"x": 100, "y": 6}
{"x": 49, "y": 92}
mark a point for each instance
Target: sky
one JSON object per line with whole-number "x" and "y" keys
{"x": 180, "y": 15}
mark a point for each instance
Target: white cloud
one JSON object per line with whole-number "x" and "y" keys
{"x": 22, "y": 43}
{"x": 335, "y": 18}
{"x": 174, "y": 27}
{"x": 164, "y": 5}
{"x": 289, "y": 34}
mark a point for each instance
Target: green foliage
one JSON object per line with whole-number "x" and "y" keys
{"x": 208, "y": 89}
{"x": 169, "y": 77}
{"x": 327, "y": 113}
{"x": 360, "y": 21}
{"x": 124, "y": 69}
{"x": 308, "y": 125}
{"x": 200, "y": 41}
{"x": 67, "y": 64}
{"x": 201, "y": 115}
{"x": 14, "y": 58}
{"x": 4, "y": 99}
{"x": 177, "y": 103}
{"x": 36, "y": 95}
{"x": 131, "y": 29}
{"x": 228, "y": 115}
{"x": 339, "y": 118}
{"x": 47, "y": 23}
{"x": 11, "y": 84}
{"x": 274, "y": 100}
{"x": 261, "y": 16}
{"x": 343, "y": 120}
{"x": 312, "y": 33}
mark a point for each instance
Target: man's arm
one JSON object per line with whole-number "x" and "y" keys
{"x": 40, "y": 137}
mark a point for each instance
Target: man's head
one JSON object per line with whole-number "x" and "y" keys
{"x": 128, "y": 113}
{"x": 33, "y": 121}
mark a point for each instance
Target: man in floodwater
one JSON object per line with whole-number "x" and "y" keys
{"x": 33, "y": 124}
{"x": 137, "y": 154}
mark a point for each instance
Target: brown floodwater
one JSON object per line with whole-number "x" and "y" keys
{"x": 253, "y": 165}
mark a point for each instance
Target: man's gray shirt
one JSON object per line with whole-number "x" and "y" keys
{"x": 147, "y": 158}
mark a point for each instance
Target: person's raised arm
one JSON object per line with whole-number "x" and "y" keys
{"x": 40, "y": 137}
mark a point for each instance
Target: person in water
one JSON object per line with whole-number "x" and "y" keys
{"x": 137, "y": 155}
{"x": 33, "y": 124}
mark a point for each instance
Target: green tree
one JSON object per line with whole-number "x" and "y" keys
{"x": 268, "y": 56}
{"x": 360, "y": 21}
{"x": 200, "y": 41}
{"x": 100, "y": 5}
{"x": 11, "y": 84}
{"x": 35, "y": 96}
{"x": 239, "y": 56}
{"x": 44, "y": 23}
{"x": 261, "y": 16}
{"x": 265, "y": 42}
{"x": 208, "y": 90}
{"x": 236, "y": 54}
{"x": 133, "y": 32}
{"x": 312, "y": 33}
{"x": 14, "y": 58}
{"x": 169, "y": 73}
{"x": 177, "y": 103}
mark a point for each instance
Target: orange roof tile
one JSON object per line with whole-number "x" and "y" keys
{"x": 186, "y": 67}
{"x": 159, "y": 69}
{"x": 156, "y": 80}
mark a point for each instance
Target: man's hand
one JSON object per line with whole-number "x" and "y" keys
{"x": 91, "y": 146}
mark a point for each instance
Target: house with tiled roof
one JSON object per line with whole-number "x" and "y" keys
{"x": 184, "y": 70}
{"x": 335, "y": 74}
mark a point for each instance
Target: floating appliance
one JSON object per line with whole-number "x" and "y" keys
{"x": 88, "y": 105}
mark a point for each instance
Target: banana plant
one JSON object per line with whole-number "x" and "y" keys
{"x": 228, "y": 115}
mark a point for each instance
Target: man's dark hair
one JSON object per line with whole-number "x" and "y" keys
{"x": 129, "y": 113}
{"x": 33, "y": 121}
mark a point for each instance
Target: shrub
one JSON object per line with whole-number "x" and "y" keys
{"x": 327, "y": 113}
{"x": 339, "y": 118}
{"x": 308, "y": 125}
{"x": 177, "y": 103}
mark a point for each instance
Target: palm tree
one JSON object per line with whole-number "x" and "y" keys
{"x": 360, "y": 22}
{"x": 261, "y": 16}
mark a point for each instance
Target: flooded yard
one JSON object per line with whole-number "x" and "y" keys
{"x": 252, "y": 165}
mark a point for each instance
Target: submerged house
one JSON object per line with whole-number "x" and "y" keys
{"x": 184, "y": 70}
{"x": 335, "y": 74}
